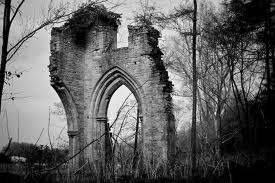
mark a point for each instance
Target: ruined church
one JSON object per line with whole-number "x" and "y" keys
{"x": 86, "y": 68}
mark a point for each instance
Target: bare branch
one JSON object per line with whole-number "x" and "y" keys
{"x": 8, "y": 131}
{"x": 16, "y": 11}
{"x": 39, "y": 136}
{"x": 53, "y": 153}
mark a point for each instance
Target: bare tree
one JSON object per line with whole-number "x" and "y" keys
{"x": 13, "y": 11}
{"x": 194, "y": 109}
{"x": 237, "y": 50}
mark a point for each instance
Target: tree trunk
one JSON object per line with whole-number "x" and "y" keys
{"x": 136, "y": 142}
{"x": 5, "y": 38}
{"x": 267, "y": 41}
{"x": 194, "y": 110}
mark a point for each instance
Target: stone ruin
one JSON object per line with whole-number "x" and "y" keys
{"x": 86, "y": 68}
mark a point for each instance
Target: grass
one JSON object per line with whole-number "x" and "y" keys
{"x": 229, "y": 168}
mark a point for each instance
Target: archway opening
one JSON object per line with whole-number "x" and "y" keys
{"x": 124, "y": 122}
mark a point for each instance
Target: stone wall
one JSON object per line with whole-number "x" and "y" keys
{"x": 85, "y": 75}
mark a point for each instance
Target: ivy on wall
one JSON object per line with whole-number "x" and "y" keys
{"x": 88, "y": 16}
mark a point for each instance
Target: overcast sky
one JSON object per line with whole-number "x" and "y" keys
{"x": 34, "y": 86}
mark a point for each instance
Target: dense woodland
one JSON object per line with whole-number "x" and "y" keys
{"x": 224, "y": 57}
{"x": 235, "y": 73}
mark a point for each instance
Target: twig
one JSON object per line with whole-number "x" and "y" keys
{"x": 70, "y": 158}
{"x": 60, "y": 135}
{"x": 53, "y": 154}
{"x": 8, "y": 131}
{"x": 16, "y": 11}
{"x": 124, "y": 119}
{"x": 229, "y": 172}
{"x": 77, "y": 171}
{"x": 8, "y": 147}
{"x": 18, "y": 126}
{"x": 122, "y": 140}
{"x": 216, "y": 168}
{"x": 39, "y": 136}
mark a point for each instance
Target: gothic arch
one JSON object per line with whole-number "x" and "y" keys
{"x": 71, "y": 115}
{"x": 69, "y": 105}
{"x": 108, "y": 84}
{"x": 110, "y": 81}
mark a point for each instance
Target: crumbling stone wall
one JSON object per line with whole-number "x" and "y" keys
{"x": 86, "y": 71}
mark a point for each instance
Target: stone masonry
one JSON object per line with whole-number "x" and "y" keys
{"x": 87, "y": 69}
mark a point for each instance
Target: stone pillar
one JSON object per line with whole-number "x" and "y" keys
{"x": 73, "y": 149}
{"x": 100, "y": 144}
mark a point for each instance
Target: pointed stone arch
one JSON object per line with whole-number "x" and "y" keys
{"x": 108, "y": 84}
{"x": 72, "y": 121}
{"x": 110, "y": 81}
